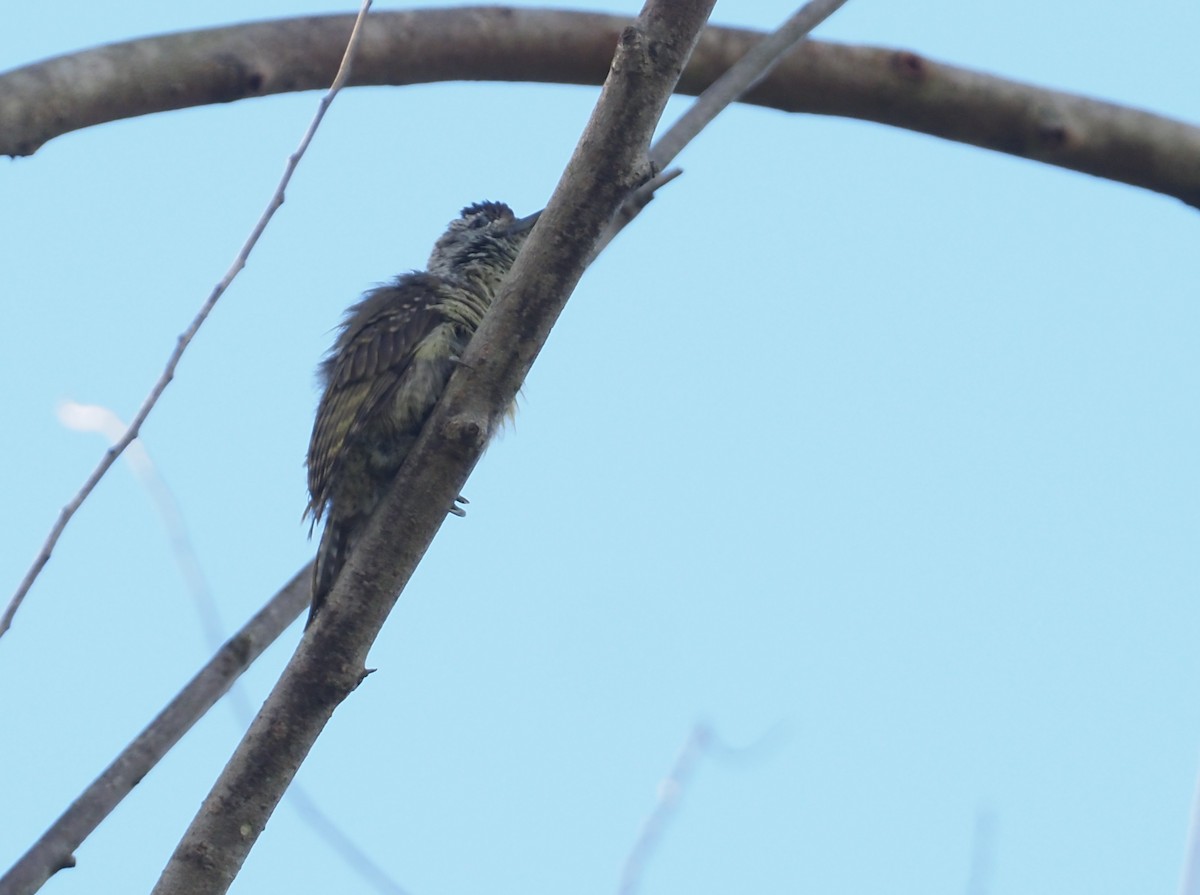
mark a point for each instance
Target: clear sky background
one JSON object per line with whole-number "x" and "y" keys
{"x": 878, "y": 451}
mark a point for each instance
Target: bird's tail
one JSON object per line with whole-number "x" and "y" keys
{"x": 336, "y": 541}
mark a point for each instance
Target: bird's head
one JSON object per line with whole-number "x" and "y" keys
{"x": 483, "y": 239}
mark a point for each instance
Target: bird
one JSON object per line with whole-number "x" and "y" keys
{"x": 390, "y": 362}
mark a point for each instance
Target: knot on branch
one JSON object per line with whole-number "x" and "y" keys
{"x": 909, "y": 66}
{"x": 468, "y": 431}
{"x": 1052, "y": 131}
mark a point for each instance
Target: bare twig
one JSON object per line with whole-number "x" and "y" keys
{"x": 670, "y": 789}
{"x": 1189, "y": 883}
{"x": 609, "y": 161}
{"x": 740, "y": 78}
{"x": 335, "y": 837}
{"x": 727, "y": 89}
{"x": 55, "y": 849}
{"x": 104, "y": 421}
{"x": 983, "y": 846}
{"x": 634, "y": 205}
{"x": 701, "y": 742}
{"x": 168, "y": 373}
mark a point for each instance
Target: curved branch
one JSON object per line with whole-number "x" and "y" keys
{"x": 897, "y": 88}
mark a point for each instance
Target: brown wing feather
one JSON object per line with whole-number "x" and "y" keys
{"x": 376, "y": 344}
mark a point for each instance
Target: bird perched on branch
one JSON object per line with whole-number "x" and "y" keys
{"x": 389, "y": 365}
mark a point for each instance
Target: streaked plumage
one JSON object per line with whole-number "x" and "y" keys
{"x": 388, "y": 367}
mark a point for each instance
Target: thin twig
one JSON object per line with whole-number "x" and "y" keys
{"x": 1189, "y": 883}
{"x": 740, "y": 78}
{"x": 105, "y": 422}
{"x": 702, "y": 742}
{"x": 337, "y": 839}
{"x": 983, "y": 845}
{"x": 110, "y": 456}
{"x": 632, "y": 207}
{"x": 670, "y": 789}
{"x": 731, "y": 86}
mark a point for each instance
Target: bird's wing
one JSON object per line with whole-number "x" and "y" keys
{"x": 377, "y": 344}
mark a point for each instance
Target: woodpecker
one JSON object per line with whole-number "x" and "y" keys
{"x": 387, "y": 368}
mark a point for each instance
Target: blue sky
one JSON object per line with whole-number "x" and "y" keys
{"x": 877, "y": 447}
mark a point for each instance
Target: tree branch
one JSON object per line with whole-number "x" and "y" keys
{"x": 609, "y": 161}
{"x": 670, "y": 790}
{"x": 739, "y": 78}
{"x": 897, "y": 88}
{"x": 715, "y": 99}
{"x": 55, "y": 849}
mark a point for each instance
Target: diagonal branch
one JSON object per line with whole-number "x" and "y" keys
{"x": 609, "y": 161}
{"x": 55, "y": 849}
{"x": 725, "y": 90}
{"x": 740, "y": 77}
{"x": 670, "y": 790}
{"x": 899, "y": 88}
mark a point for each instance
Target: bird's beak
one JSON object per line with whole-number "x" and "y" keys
{"x": 525, "y": 224}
